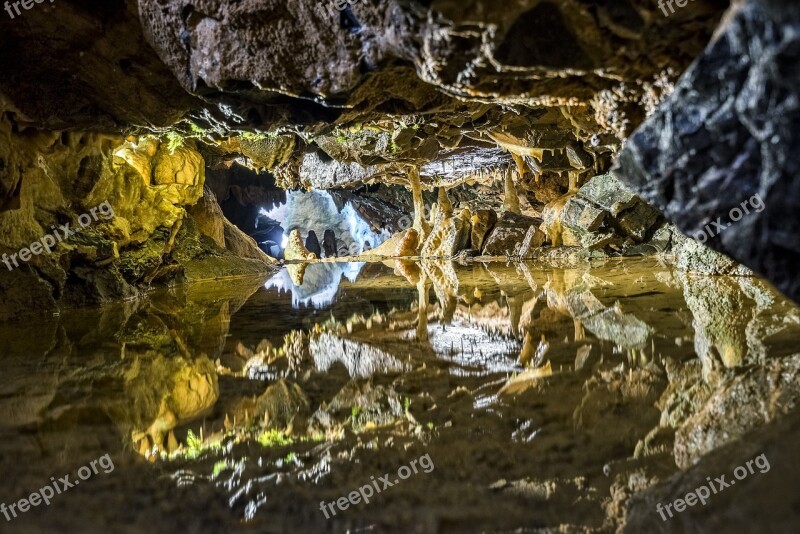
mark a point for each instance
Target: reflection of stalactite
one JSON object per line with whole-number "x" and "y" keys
{"x": 580, "y": 333}
{"x": 445, "y": 286}
{"x": 515, "y": 312}
{"x": 422, "y": 323}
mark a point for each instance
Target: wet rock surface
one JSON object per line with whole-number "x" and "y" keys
{"x": 508, "y": 234}
{"x": 333, "y": 98}
{"x": 741, "y": 91}
{"x": 114, "y": 214}
{"x": 556, "y": 397}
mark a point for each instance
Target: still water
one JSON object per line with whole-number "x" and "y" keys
{"x": 494, "y": 396}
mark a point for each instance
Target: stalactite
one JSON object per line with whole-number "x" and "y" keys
{"x": 521, "y": 166}
{"x": 573, "y": 180}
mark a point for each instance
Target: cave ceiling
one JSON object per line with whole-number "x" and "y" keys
{"x": 452, "y": 87}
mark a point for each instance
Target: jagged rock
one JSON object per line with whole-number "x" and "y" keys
{"x": 182, "y": 166}
{"x": 607, "y": 192}
{"x": 581, "y": 216}
{"x": 677, "y": 163}
{"x": 694, "y": 257}
{"x": 208, "y": 217}
{"x": 295, "y": 250}
{"x": 399, "y": 245}
{"x": 578, "y": 157}
{"x": 509, "y": 234}
{"x": 557, "y": 233}
{"x": 244, "y": 246}
{"x": 752, "y": 398}
{"x": 603, "y": 214}
{"x": 637, "y": 221}
{"x": 449, "y": 237}
{"x": 533, "y": 240}
{"x": 325, "y": 173}
{"x": 663, "y": 240}
{"x": 265, "y": 151}
{"x": 483, "y": 222}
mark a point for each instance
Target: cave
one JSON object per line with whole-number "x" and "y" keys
{"x": 399, "y": 266}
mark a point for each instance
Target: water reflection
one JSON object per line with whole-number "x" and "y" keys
{"x": 512, "y": 377}
{"x": 313, "y": 285}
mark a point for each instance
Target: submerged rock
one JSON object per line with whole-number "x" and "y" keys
{"x": 749, "y": 400}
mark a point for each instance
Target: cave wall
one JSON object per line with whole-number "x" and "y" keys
{"x": 90, "y": 217}
{"x": 719, "y": 158}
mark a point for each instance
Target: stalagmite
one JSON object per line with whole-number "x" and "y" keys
{"x": 420, "y": 224}
{"x": 511, "y": 202}
{"x": 296, "y": 250}
{"x": 445, "y": 206}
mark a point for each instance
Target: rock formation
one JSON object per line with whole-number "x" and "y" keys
{"x": 741, "y": 191}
